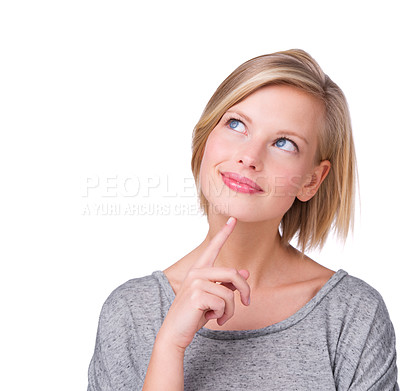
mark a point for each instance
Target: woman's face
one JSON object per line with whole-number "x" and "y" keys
{"x": 261, "y": 155}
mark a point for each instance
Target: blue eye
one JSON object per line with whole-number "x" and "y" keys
{"x": 286, "y": 144}
{"x": 237, "y": 125}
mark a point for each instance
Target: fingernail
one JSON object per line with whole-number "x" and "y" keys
{"x": 230, "y": 220}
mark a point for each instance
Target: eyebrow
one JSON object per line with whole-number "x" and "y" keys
{"x": 291, "y": 133}
{"x": 248, "y": 119}
{"x": 282, "y": 131}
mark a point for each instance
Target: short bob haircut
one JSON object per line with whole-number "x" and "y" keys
{"x": 332, "y": 207}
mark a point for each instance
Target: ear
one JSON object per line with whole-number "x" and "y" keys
{"x": 316, "y": 177}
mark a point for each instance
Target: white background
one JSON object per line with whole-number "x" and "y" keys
{"x": 92, "y": 90}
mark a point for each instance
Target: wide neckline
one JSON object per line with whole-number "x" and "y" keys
{"x": 252, "y": 333}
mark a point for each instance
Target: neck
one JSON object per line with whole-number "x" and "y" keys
{"x": 254, "y": 246}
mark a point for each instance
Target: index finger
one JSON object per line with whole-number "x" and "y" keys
{"x": 207, "y": 259}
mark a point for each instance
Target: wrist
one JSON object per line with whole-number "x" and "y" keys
{"x": 164, "y": 342}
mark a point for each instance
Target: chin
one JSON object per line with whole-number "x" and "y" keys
{"x": 241, "y": 213}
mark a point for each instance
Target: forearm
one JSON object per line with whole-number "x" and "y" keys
{"x": 165, "y": 370}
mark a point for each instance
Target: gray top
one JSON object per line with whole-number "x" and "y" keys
{"x": 342, "y": 339}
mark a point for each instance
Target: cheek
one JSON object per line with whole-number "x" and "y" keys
{"x": 283, "y": 180}
{"x": 209, "y": 160}
{"x": 215, "y": 152}
{"x": 216, "y": 145}
{"x": 286, "y": 187}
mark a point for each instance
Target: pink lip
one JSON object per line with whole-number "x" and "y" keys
{"x": 240, "y": 183}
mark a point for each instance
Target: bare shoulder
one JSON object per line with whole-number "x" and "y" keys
{"x": 177, "y": 272}
{"x": 174, "y": 276}
{"x": 314, "y": 273}
{"x": 305, "y": 272}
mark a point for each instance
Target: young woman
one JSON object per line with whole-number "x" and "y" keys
{"x": 273, "y": 158}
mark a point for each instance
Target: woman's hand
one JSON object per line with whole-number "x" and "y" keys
{"x": 206, "y": 293}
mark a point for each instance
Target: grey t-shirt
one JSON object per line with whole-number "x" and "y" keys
{"x": 342, "y": 339}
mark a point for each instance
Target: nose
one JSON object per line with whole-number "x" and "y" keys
{"x": 251, "y": 156}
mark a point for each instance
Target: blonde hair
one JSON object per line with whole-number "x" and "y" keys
{"x": 332, "y": 207}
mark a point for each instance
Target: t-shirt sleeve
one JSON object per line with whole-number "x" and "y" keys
{"x": 367, "y": 349}
{"x": 113, "y": 366}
